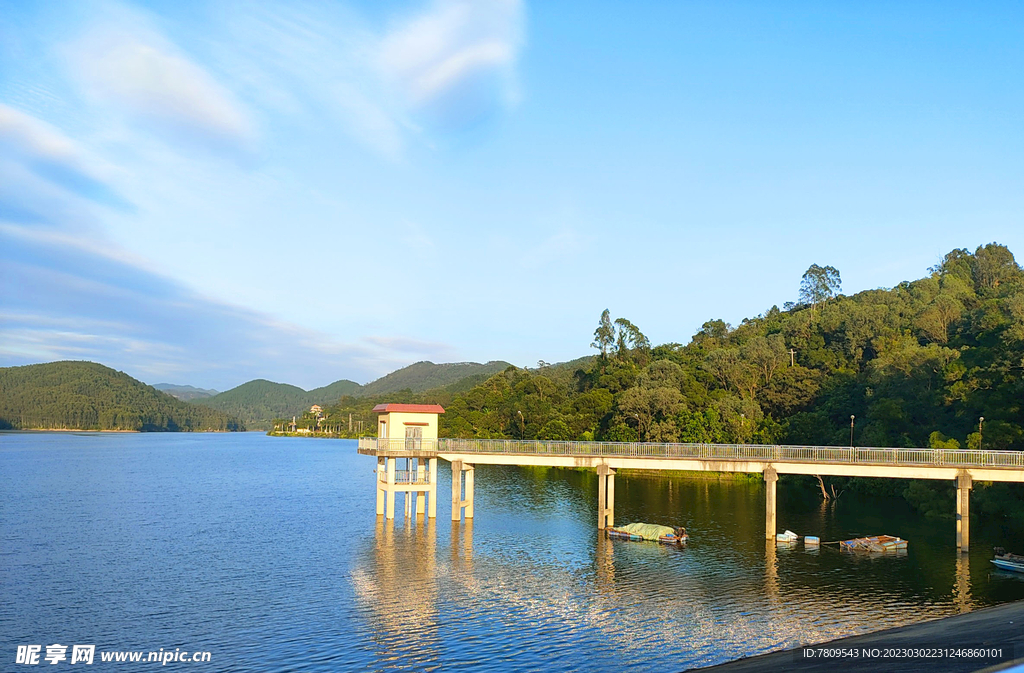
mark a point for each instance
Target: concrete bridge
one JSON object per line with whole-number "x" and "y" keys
{"x": 962, "y": 466}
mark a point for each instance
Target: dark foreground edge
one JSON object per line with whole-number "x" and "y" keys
{"x": 1000, "y": 627}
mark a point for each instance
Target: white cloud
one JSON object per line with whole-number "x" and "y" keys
{"x": 134, "y": 70}
{"x": 39, "y": 166}
{"x": 456, "y": 61}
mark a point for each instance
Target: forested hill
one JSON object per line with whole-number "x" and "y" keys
{"x": 259, "y": 402}
{"x": 916, "y": 365}
{"x": 423, "y": 376}
{"x": 89, "y": 396}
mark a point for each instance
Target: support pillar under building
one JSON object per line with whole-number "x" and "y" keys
{"x": 771, "y": 478}
{"x": 964, "y": 483}
{"x": 605, "y": 497}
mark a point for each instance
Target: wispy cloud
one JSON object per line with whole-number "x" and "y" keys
{"x": 132, "y": 70}
{"x": 42, "y": 150}
{"x": 61, "y": 299}
{"x": 455, "y": 62}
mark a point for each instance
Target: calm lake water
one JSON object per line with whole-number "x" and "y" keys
{"x": 267, "y": 553}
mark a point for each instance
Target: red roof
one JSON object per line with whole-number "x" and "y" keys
{"x": 409, "y": 408}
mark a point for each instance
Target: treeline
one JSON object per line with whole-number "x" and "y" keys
{"x": 917, "y": 365}
{"x": 89, "y": 396}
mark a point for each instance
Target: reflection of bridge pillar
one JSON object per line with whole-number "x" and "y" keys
{"x": 962, "y": 585}
{"x": 963, "y": 503}
{"x": 458, "y": 502}
{"x": 771, "y": 477}
{"x": 605, "y": 497}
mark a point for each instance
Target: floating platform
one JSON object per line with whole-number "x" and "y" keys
{"x": 639, "y": 532}
{"x": 875, "y": 543}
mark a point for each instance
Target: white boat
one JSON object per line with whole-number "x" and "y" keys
{"x": 788, "y": 536}
{"x": 1007, "y": 561}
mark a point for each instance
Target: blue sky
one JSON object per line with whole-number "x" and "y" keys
{"x": 207, "y": 193}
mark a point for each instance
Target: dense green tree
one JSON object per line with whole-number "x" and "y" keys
{"x": 819, "y": 284}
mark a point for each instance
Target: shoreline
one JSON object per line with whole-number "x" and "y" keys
{"x": 1000, "y": 626}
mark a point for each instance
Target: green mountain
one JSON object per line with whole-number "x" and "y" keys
{"x": 259, "y": 402}
{"x": 917, "y": 365}
{"x": 184, "y": 393}
{"x": 89, "y": 396}
{"x": 423, "y": 376}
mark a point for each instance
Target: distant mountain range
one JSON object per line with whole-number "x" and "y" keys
{"x": 86, "y": 395}
{"x": 257, "y": 403}
{"x": 185, "y": 393}
{"x": 89, "y": 396}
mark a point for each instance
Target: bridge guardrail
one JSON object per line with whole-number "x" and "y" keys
{"x": 810, "y": 454}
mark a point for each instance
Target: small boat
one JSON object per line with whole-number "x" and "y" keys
{"x": 638, "y": 532}
{"x": 1007, "y": 561}
{"x": 875, "y": 543}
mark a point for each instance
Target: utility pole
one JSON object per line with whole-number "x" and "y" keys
{"x": 792, "y": 361}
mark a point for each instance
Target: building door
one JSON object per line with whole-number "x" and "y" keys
{"x": 413, "y": 438}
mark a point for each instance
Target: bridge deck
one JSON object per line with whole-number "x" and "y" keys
{"x": 823, "y": 460}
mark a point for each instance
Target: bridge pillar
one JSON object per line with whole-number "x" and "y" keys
{"x": 432, "y": 503}
{"x": 605, "y": 497}
{"x": 458, "y": 503}
{"x": 964, "y": 484}
{"x": 456, "y": 490}
{"x": 771, "y": 477}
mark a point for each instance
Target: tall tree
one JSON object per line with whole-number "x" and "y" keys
{"x": 604, "y": 335}
{"x": 819, "y": 284}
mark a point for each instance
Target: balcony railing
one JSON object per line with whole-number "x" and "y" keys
{"x": 406, "y": 477}
{"x": 373, "y": 443}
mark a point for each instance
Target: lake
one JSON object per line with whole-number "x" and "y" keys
{"x": 266, "y": 552}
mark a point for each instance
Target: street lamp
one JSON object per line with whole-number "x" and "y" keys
{"x": 851, "y": 429}
{"x": 522, "y": 425}
{"x": 639, "y": 428}
{"x": 981, "y": 420}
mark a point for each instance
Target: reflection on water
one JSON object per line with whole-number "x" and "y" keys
{"x": 268, "y": 553}
{"x": 535, "y": 582}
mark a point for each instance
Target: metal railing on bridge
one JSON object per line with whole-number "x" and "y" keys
{"x": 732, "y": 452}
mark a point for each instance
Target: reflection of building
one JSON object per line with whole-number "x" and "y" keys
{"x": 406, "y": 451}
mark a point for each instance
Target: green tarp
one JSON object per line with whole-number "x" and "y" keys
{"x": 648, "y": 531}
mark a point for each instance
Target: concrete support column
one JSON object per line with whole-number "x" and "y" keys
{"x": 432, "y": 505}
{"x": 390, "y": 505}
{"x": 770, "y": 479}
{"x": 456, "y": 490}
{"x": 964, "y": 483}
{"x": 409, "y": 495}
{"x": 381, "y": 474}
{"x": 421, "y": 496}
{"x": 469, "y": 490}
{"x": 610, "y": 518}
{"x": 602, "y": 495}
